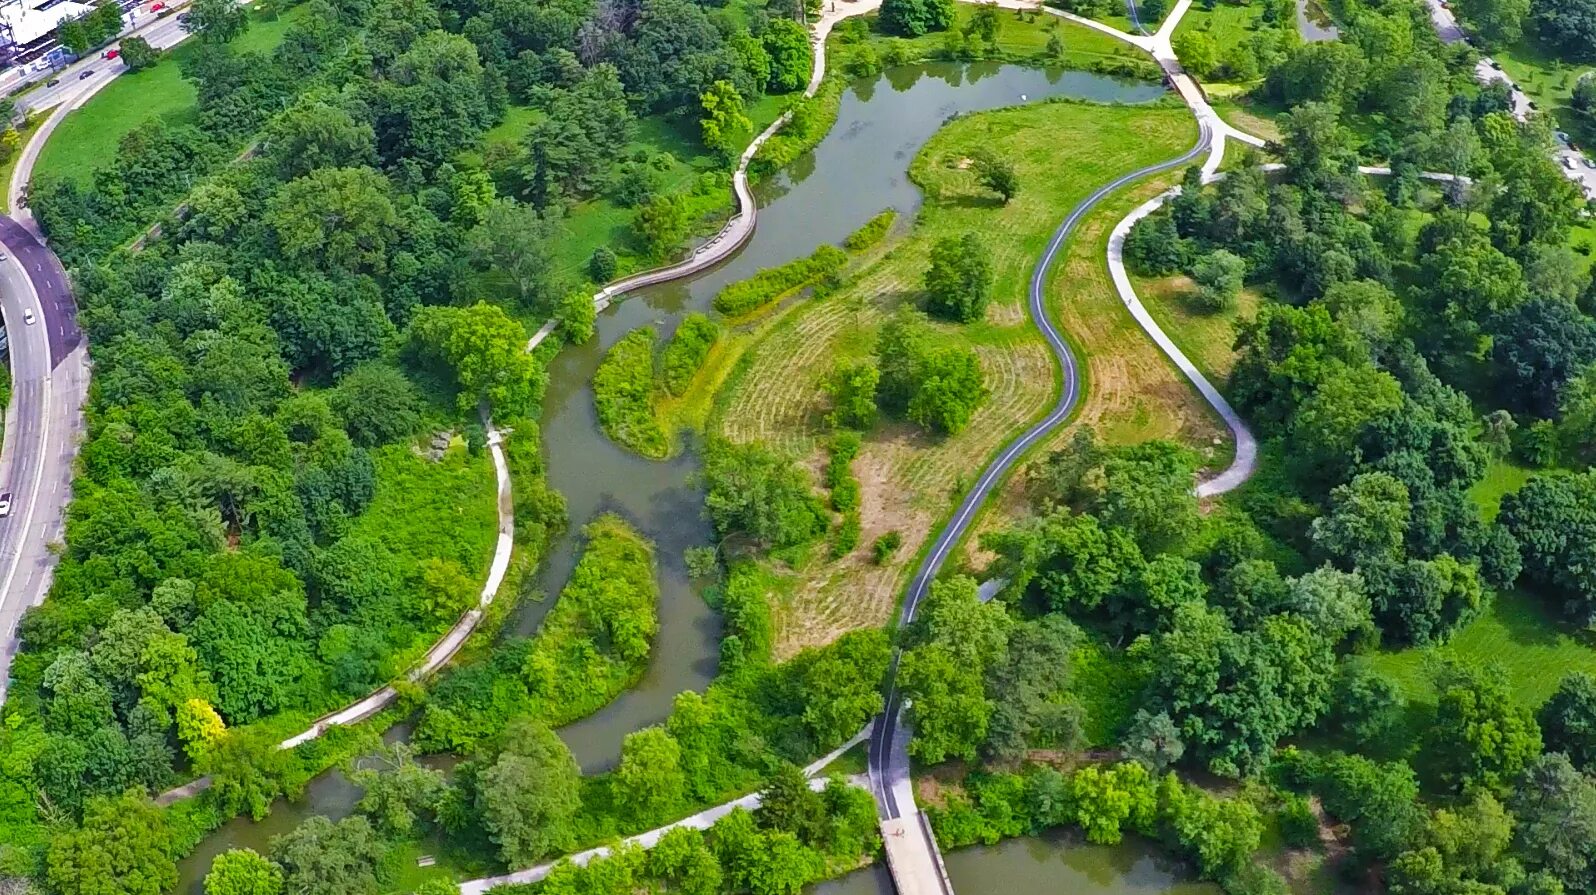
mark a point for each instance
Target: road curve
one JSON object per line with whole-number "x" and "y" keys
{"x": 49, "y": 385}
{"x": 889, "y": 771}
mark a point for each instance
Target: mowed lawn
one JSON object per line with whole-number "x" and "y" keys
{"x": 1519, "y": 633}
{"x": 88, "y": 138}
{"x": 910, "y": 480}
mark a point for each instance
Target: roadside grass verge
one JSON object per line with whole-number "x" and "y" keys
{"x": 910, "y": 479}
{"x": 25, "y": 134}
{"x": 88, "y": 137}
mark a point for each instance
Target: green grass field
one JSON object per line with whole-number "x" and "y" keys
{"x": 88, "y": 137}
{"x": 1547, "y": 81}
{"x": 909, "y": 479}
{"x": 1519, "y": 633}
{"x": 24, "y": 135}
{"x": 1227, "y": 23}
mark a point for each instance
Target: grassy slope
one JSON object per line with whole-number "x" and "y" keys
{"x": 88, "y": 137}
{"x": 1518, "y": 632}
{"x": 24, "y": 134}
{"x": 908, "y": 478}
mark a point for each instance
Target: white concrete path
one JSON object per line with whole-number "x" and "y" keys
{"x": 703, "y": 820}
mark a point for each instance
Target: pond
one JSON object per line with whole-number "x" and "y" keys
{"x": 1047, "y": 865}
{"x": 858, "y": 170}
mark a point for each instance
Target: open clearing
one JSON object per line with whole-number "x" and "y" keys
{"x": 1062, "y": 151}
{"x": 1519, "y": 633}
{"x": 89, "y": 137}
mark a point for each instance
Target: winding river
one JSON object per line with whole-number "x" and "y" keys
{"x": 858, "y": 170}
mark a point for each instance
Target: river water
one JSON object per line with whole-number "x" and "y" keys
{"x": 857, "y": 171}
{"x": 1047, "y": 865}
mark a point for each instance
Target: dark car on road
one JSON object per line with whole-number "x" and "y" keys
{"x": 52, "y": 82}
{"x": 85, "y": 73}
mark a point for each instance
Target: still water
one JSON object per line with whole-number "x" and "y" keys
{"x": 857, "y": 171}
{"x": 1048, "y": 865}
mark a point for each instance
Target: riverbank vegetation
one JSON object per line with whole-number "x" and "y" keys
{"x": 818, "y": 360}
{"x": 593, "y": 644}
{"x": 624, "y": 387}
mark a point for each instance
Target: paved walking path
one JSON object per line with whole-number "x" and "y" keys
{"x": 703, "y": 820}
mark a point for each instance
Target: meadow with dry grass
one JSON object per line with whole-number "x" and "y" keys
{"x": 910, "y": 480}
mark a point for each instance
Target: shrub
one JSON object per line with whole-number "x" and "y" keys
{"x": 959, "y": 280}
{"x": 685, "y": 352}
{"x": 885, "y": 546}
{"x": 623, "y": 393}
{"x": 937, "y": 387}
{"x": 601, "y": 265}
{"x": 747, "y": 296}
{"x": 873, "y": 231}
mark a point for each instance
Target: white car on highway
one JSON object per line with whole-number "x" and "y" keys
{"x": 5, "y": 504}
{"x": 28, "y": 317}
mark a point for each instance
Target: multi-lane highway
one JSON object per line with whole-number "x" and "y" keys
{"x": 49, "y": 381}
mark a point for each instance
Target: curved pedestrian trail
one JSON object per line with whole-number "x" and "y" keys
{"x": 889, "y": 775}
{"x": 737, "y": 230}
{"x": 441, "y": 651}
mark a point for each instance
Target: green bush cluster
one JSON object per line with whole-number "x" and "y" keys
{"x": 623, "y": 393}
{"x": 747, "y": 296}
{"x": 685, "y": 352}
{"x": 795, "y": 838}
{"x": 873, "y": 231}
{"x": 593, "y": 644}
{"x": 839, "y": 472}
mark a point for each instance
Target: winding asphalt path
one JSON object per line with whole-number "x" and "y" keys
{"x": 889, "y": 774}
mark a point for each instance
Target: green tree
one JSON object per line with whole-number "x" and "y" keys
{"x": 398, "y": 792}
{"x": 1153, "y": 246}
{"x": 649, "y": 781}
{"x": 1367, "y": 520}
{"x": 791, "y": 58}
{"x": 332, "y": 858}
{"x": 1480, "y": 736}
{"x": 123, "y": 847}
{"x": 137, "y": 54}
{"x": 1218, "y": 276}
{"x": 959, "y": 280}
{"x": 377, "y": 404}
{"x": 529, "y": 795}
{"x": 661, "y": 224}
{"x": 241, "y": 871}
{"x": 1556, "y": 810}
{"x": 853, "y": 395}
{"x": 754, "y": 493}
{"x": 912, "y": 18}
{"x": 315, "y": 134}
{"x": 1495, "y": 23}
{"x": 338, "y": 219}
{"x": 515, "y": 242}
{"x": 995, "y": 172}
{"x": 1553, "y": 518}
{"x": 724, "y": 124}
{"x": 485, "y": 349}
{"x": 578, "y": 316}
{"x": 1198, "y": 52}
{"x": 216, "y": 21}
{"x": 1568, "y": 720}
